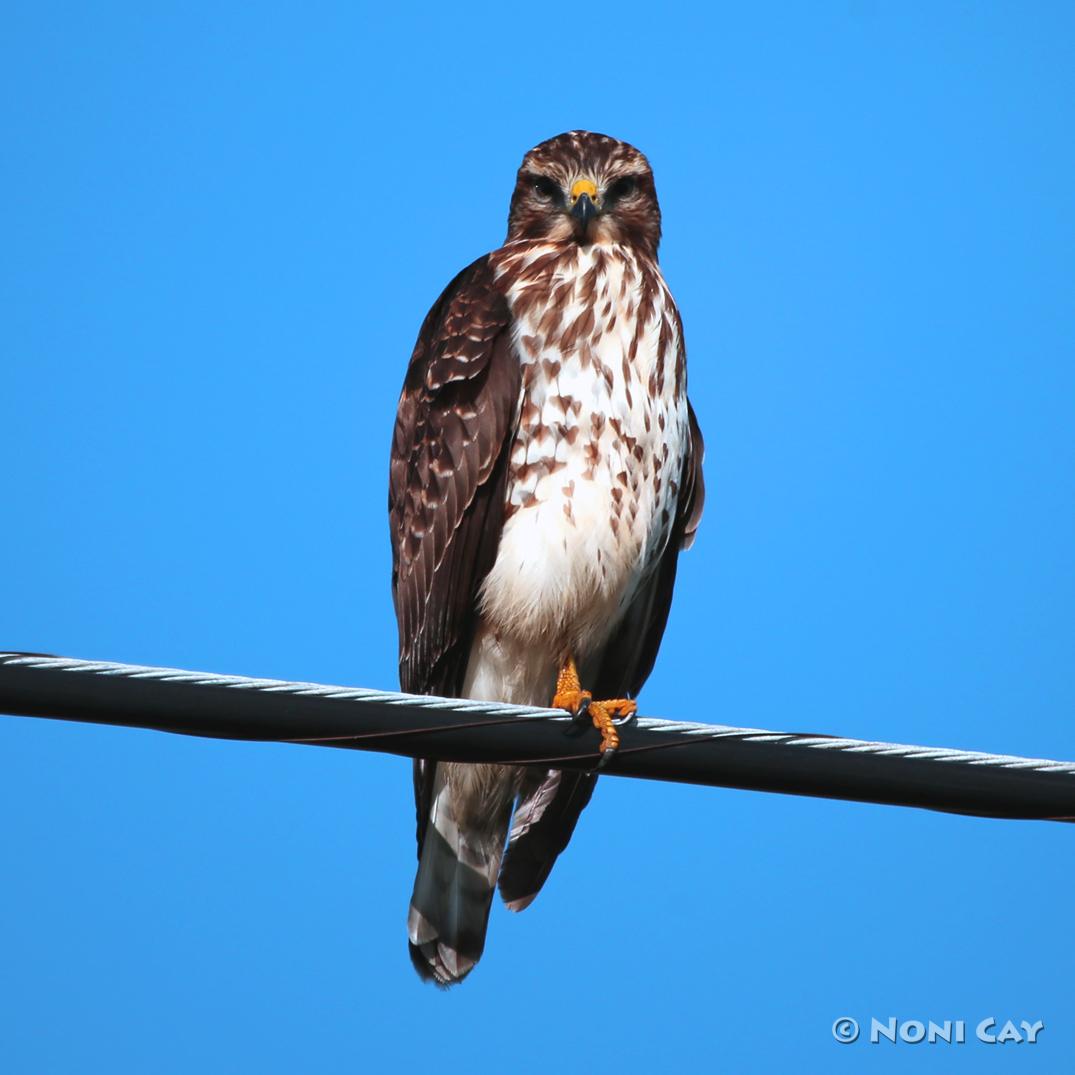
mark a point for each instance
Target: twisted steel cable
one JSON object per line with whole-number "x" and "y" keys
{"x": 270, "y": 710}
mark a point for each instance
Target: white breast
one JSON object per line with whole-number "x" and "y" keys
{"x": 595, "y": 464}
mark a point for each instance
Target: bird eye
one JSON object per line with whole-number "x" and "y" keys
{"x": 546, "y": 189}
{"x": 622, "y": 188}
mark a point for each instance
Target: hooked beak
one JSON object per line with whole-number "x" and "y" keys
{"x": 583, "y": 208}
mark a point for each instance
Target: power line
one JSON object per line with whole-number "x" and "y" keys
{"x": 270, "y": 710}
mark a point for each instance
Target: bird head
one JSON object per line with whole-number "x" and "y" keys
{"x": 586, "y": 188}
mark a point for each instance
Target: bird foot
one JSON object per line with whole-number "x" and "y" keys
{"x": 607, "y": 715}
{"x": 604, "y": 715}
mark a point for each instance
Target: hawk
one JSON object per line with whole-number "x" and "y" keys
{"x": 545, "y": 474}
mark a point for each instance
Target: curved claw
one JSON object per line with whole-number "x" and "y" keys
{"x": 577, "y": 703}
{"x": 626, "y": 711}
{"x": 606, "y": 756}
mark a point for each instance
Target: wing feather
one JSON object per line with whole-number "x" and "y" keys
{"x": 454, "y": 427}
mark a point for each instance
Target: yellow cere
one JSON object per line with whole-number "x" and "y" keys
{"x": 583, "y": 186}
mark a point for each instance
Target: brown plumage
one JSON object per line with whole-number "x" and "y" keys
{"x": 546, "y": 471}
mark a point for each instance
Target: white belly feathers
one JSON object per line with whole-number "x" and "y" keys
{"x": 595, "y": 465}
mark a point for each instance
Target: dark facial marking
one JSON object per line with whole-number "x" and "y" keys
{"x": 623, "y": 187}
{"x": 546, "y": 189}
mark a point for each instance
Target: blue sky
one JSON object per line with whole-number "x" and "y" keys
{"x": 222, "y": 227}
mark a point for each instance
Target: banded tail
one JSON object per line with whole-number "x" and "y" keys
{"x": 460, "y": 847}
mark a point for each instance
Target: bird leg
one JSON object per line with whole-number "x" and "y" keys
{"x": 570, "y": 696}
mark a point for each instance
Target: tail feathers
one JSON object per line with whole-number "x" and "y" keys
{"x": 450, "y": 905}
{"x": 449, "y": 912}
{"x": 541, "y": 828}
{"x": 462, "y": 847}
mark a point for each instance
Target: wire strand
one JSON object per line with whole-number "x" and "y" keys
{"x": 269, "y": 710}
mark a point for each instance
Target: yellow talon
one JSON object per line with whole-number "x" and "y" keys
{"x": 570, "y": 696}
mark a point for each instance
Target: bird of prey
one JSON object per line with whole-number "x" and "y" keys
{"x": 545, "y": 473}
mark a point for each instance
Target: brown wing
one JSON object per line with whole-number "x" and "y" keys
{"x": 546, "y": 816}
{"x": 454, "y": 428}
